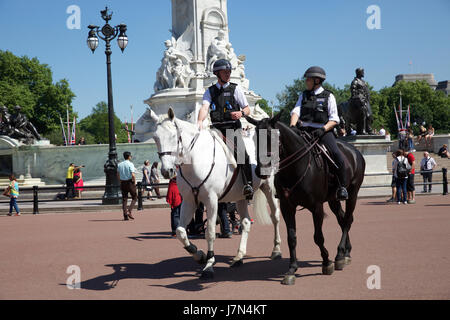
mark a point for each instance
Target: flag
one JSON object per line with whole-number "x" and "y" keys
{"x": 73, "y": 136}
{"x": 68, "y": 127}
{"x": 128, "y": 132}
{"x": 131, "y": 123}
{"x": 63, "y": 131}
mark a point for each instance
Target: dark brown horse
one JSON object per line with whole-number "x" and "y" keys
{"x": 304, "y": 178}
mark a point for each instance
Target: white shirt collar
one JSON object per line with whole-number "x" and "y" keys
{"x": 224, "y": 86}
{"x": 318, "y": 90}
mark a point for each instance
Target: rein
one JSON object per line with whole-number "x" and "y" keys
{"x": 195, "y": 190}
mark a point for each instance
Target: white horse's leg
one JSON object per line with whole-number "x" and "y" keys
{"x": 186, "y": 214}
{"x": 275, "y": 216}
{"x": 242, "y": 209}
{"x": 210, "y": 236}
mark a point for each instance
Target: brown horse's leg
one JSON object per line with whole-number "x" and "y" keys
{"x": 336, "y": 207}
{"x": 318, "y": 214}
{"x": 348, "y": 220}
{"x": 288, "y": 212}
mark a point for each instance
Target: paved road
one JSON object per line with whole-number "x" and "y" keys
{"x": 139, "y": 260}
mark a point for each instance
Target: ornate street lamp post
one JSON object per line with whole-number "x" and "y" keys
{"x": 111, "y": 195}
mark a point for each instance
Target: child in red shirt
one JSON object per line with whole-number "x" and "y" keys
{"x": 174, "y": 199}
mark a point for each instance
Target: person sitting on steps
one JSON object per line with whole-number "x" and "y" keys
{"x": 317, "y": 111}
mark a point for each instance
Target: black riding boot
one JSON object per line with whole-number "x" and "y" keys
{"x": 330, "y": 142}
{"x": 247, "y": 179}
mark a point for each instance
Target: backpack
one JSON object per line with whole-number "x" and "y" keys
{"x": 402, "y": 169}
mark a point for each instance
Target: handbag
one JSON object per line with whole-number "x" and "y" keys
{"x": 7, "y": 192}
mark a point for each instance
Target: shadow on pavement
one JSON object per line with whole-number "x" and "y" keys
{"x": 438, "y": 205}
{"x": 187, "y": 270}
{"x": 153, "y": 235}
{"x": 106, "y": 220}
{"x": 378, "y": 203}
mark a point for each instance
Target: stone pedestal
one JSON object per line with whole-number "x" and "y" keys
{"x": 374, "y": 149}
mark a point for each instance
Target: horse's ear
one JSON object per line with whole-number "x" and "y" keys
{"x": 171, "y": 114}
{"x": 153, "y": 115}
{"x": 251, "y": 120}
{"x": 276, "y": 118}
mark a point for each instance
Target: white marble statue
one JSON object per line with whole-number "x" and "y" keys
{"x": 220, "y": 48}
{"x": 175, "y": 70}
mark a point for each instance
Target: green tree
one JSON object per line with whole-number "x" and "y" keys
{"x": 264, "y": 104}
{"x": 289, "y": 96}
{"x": 426, "y": 105}
{"x": 56, "y": 136}
{"x": 96, "y": 124}
{"x": 28, "y": 83}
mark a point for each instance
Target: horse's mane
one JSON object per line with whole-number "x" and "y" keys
{"x": 293, "y": 133}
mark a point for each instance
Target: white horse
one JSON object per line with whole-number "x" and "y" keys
{"x": 204, "y": 173}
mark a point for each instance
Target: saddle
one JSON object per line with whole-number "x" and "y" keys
{"x": 322, "y": 157}
{"x": 320, "y": 150}
{"x": 221, "y": 139}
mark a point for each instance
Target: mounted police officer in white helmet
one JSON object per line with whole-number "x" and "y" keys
{"x": 317, "y": 111}
{"x": 226, "y": 104}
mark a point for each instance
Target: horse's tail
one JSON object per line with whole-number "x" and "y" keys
{"x": 260, "y": 208}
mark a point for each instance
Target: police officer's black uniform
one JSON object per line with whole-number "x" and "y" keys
{"x": 222, "y": 105}
{"x": 314, "y": 109}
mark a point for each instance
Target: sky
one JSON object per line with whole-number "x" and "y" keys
{"x": 280, "y": 39}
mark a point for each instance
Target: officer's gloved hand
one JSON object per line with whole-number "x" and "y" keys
{"x": 318, "y": 133}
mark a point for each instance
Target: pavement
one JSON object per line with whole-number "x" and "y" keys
{"x": 406, "y": 245}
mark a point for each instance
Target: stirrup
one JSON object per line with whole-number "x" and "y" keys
{"x": 248, "y": 192}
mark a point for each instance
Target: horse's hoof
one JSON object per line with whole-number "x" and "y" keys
{"x": 348, "y": 260}
{"x": 275, "y": 256}
{"x": 329, "y": 269}
{"x": 207, "y": 274}
{"x": 339, "y": 264}
{"x": 288, "y": 280}
{"x": 200, "y": 257}
{"x": 236, "y": 263}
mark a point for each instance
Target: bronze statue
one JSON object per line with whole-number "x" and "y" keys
{"x": 17, "y": 126}
{"x": 357, "y": 109}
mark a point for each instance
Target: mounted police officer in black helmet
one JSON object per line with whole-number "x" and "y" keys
{"x": 317, "y": 111}
{"x": 226, "y": 104}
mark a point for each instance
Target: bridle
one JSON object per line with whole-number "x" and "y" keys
{"x": 296, "y": 156}
{"x": 195, "y": 190}
{"x": 179, "y": 142}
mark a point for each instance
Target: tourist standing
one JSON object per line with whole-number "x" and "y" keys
{"x": 411, "y": 140}
{"x": 410, "y": 182}
{"x": 401, "y": 172}
{"x": 382, "y": 131}
{"x": 70, "y": 187}
{"x": 146, "y": 178}
{"x": 222, "y": 213}
{"x": 126, "y": 173}
{"x": 394, "y": 180}
{"x": 13, "y": 194}
{"x": 154, "y": 178}
{"x": 78, "y": 182}
{"x": 426, "y": 170}
{"x": 174, "y": 199}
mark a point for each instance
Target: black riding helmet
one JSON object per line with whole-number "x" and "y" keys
{"x": 221, "y": 64}
{"x": 315, "y": 72}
